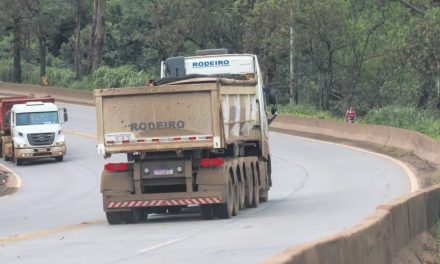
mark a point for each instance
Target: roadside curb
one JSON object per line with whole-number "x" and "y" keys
{"x": 13, "y": 183}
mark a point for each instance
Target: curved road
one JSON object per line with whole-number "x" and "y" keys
{"x": 319, "y": 189}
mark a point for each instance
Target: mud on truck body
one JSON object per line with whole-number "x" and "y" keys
{"x": 196, "y": 137}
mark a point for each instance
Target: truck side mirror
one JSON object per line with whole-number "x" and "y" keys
{"x": 65, "y": 118}
{"x": 272, "y": 98}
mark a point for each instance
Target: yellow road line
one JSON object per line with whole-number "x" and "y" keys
{"x": 78, "y": 133}
{"x": 46, "y": 232}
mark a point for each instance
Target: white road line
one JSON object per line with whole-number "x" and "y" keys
{"x": 164, "y": 244}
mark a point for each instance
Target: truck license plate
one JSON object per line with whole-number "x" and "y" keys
{"x": 163, "y": 172}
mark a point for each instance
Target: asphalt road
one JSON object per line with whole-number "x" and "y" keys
{"x": 319, "y": 189}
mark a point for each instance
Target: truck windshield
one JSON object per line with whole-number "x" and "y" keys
{"x": 38, "y": 118}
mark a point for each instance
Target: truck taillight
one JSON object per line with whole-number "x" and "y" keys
{"x": 111, "y": 167}
{"x": 214, "y": 162}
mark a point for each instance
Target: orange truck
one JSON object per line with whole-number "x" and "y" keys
{"x": 31, "y": 128}
{"x": 196, "y": 137}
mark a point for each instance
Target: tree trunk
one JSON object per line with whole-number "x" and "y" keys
{"x": 425, "y": 80}
{"x": 294, "y": 65}
{"x": 17, "y": 50}
{"x": 78, "y": 41}
{"x": 320, "y": 89}
{"x": 96, "y": 41}
{"x": 438, "y": 84}
{"x": 43, "y": 53}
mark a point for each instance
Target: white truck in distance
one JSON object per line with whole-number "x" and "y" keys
{"x": 31, "y": 129}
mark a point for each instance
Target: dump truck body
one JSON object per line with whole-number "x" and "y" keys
{"x": 195, "y": 141}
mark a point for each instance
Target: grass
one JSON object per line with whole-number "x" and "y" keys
{"x": 437, "y": 241}
{"x": 305, "y": 111}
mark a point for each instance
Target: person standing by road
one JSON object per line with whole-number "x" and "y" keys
{"x": 350, "y": 115}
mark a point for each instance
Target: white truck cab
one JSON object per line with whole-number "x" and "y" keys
{"x": 36, "y": 131}
{"x": 219, "y": 63}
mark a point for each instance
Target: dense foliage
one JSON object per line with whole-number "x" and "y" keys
{"x": 328, "y": 54}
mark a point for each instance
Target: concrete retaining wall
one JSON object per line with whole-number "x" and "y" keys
{"x": 381, "y": 236}
{"x": 60, "y": 94}
{"x": 384, "y": 235}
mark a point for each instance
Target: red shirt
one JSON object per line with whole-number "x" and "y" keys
{"x": 351, "y": 115}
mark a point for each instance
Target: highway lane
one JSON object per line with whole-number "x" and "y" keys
{"x": 319, "y": 189}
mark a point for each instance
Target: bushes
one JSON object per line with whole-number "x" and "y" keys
{"x": 424, "y": 121}
{"x": 305, "y": 111}
{"x": 118, "y": 77}
{"x": 104, "y": 77}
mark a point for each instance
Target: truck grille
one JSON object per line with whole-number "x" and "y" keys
{"x": 41, "y": 139}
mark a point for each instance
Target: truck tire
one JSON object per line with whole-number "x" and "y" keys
{"x": 236, "y": 200}
{"x": 249, "y": 188}
{"x": 207, "y": 211}
{"x": 60, "y": 158}
{"x": 113, "y": 218}
{"x": 18, "y": 162}
{"x": 225, "y": 209}
{"x": 256, "y": 193}
{"x": 241, "y": 189}
{"x": 131, "y": 217}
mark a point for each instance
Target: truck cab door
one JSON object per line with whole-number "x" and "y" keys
{"x": 62, "y": 113}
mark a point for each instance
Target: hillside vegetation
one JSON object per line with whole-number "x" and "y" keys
{"x": 382, "y": 57}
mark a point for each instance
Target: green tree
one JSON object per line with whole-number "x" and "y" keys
{"x": 14, "y": 15}
{"x": 97, "y": 36}
{"x": 424, "y": 54}
{"x": 267, "y": 35}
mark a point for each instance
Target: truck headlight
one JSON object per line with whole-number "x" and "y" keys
{"x": 60, "y": 143}
{"x": 21, "y": 145}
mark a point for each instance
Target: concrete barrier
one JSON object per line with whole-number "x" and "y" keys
{"x": 60, "y": 94}
{"x": 421, "y": 145}
{"x": 389, "y": 234}
{"x": 386, "y": 236}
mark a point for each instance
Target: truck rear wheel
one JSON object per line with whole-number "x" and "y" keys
{"x": 225, "y": 209}
{"x": 256, "y": 193}
{"x": 129, "y": 217}
{"x": 132, "y": 216}
{"x": 236, "y": 199}
{"x": 113, "y": 218}
{"x": 18, "y": 162}
{"x": 249, "y": 188}
{"x": 207, "y": 211}
{"x": 241, "y": 196}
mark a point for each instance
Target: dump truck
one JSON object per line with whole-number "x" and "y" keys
{"x": 31, "y": 128}
{"x": 196, "y": 137}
